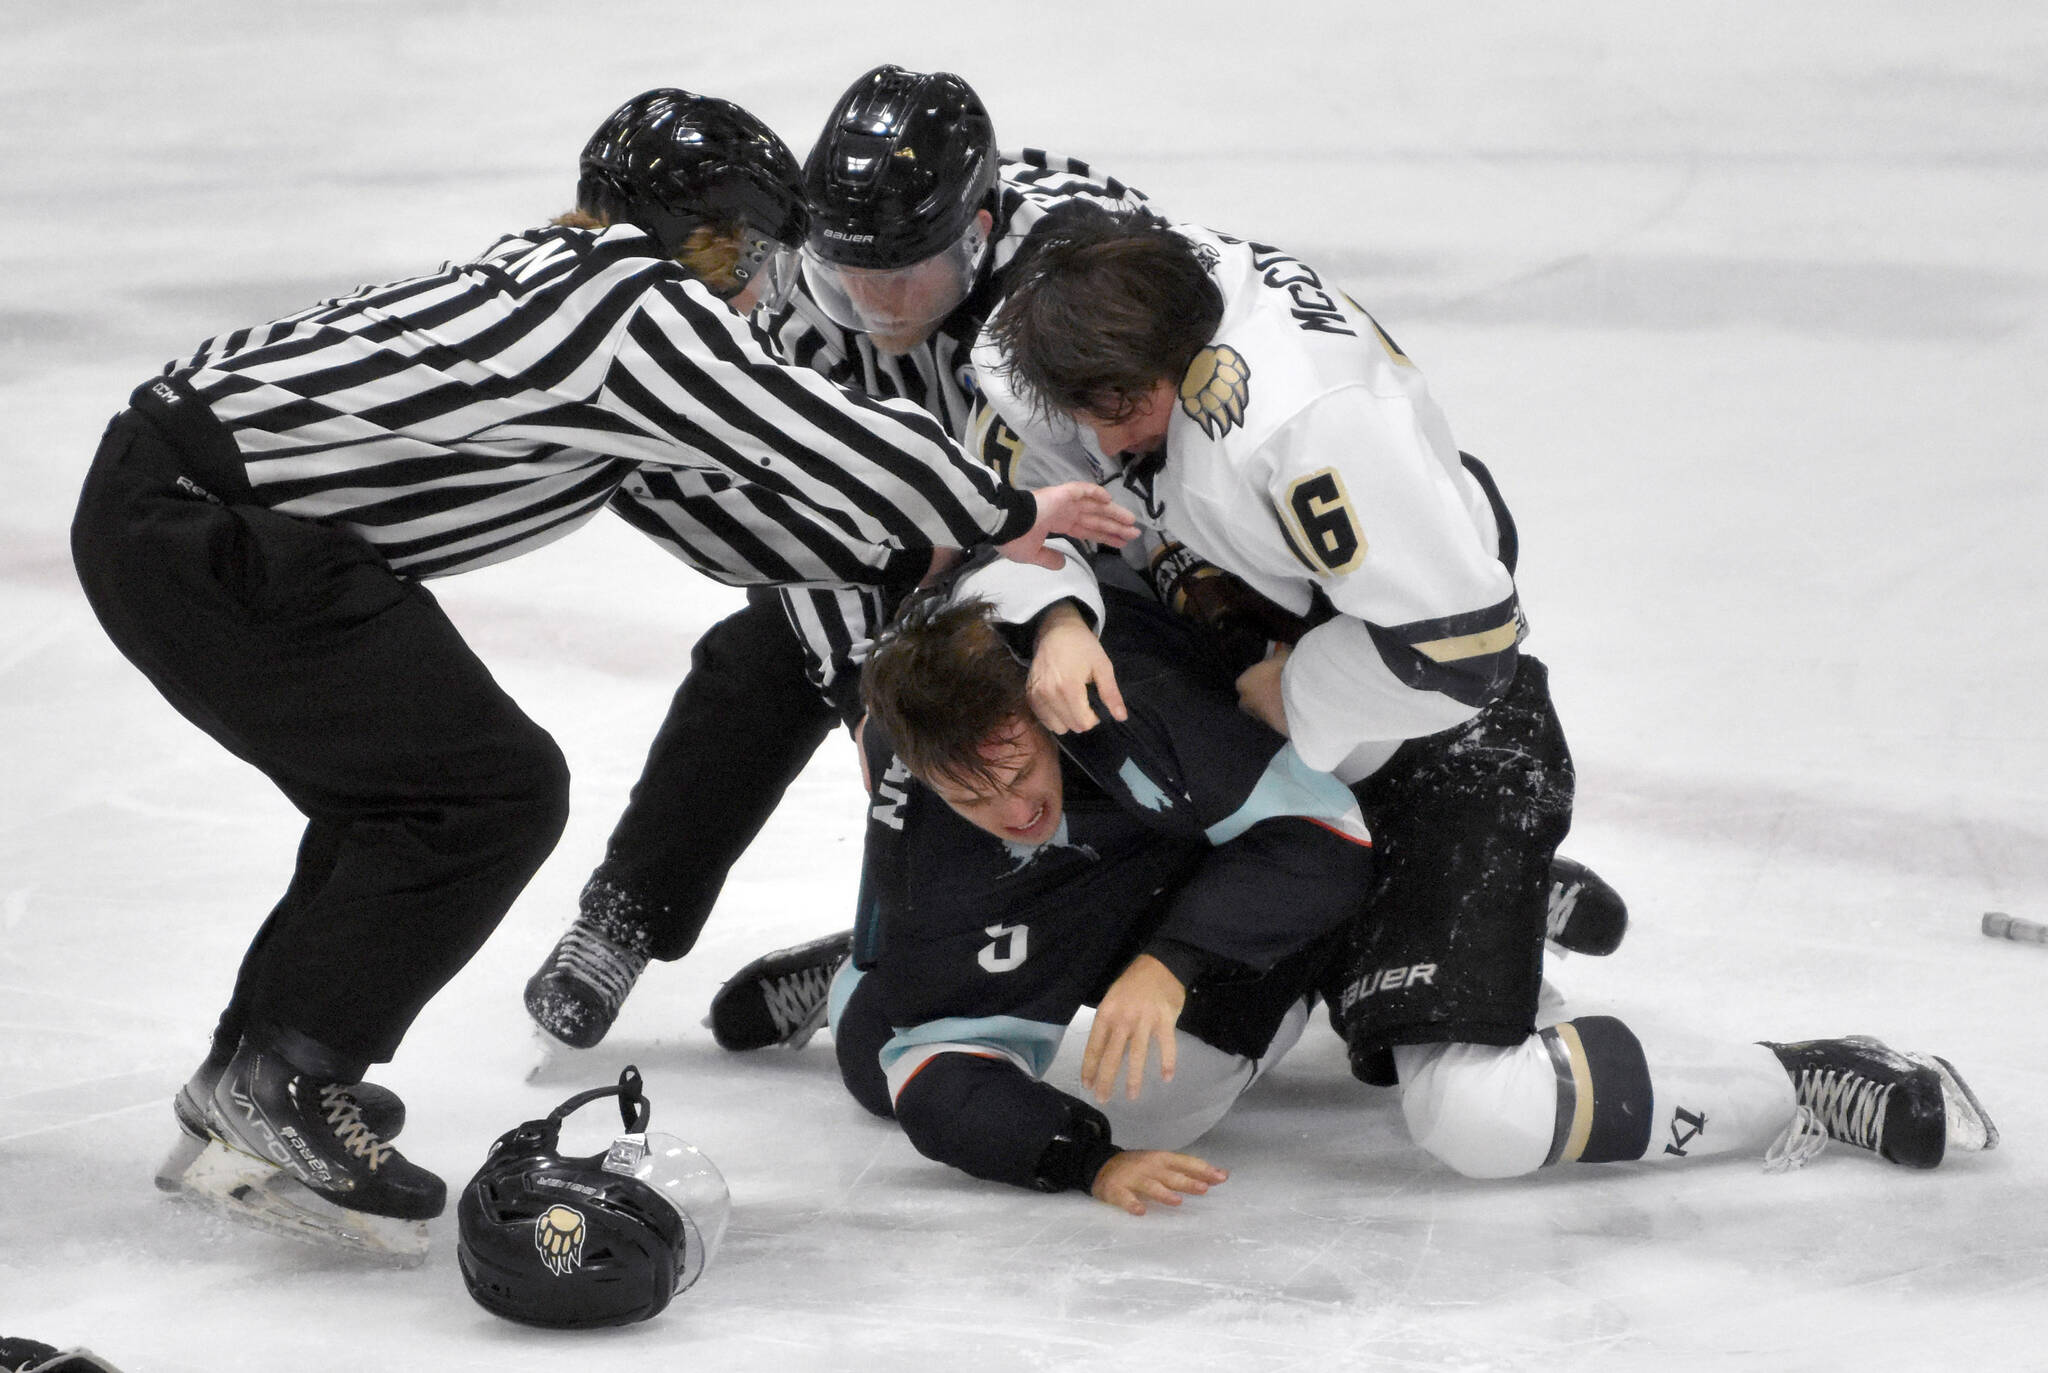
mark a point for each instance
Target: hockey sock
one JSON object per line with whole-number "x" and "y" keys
{"x": 1589, "y": 1090}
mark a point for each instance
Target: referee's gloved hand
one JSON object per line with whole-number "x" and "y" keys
{"x": 1082, "y": 510}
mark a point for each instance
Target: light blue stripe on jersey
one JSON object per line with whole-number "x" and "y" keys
{"x": 1142, "y": 788}
{"x": 841, "y": 991}
{"x": 1291, "y": 787}
{"x": 1031, "y": 1044}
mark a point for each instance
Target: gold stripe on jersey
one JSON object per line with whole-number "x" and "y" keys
{"x": 1479, "y": 645}
{"x": 1386, "y": 339}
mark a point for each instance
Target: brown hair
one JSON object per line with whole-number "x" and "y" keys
{"x": 1101, "y": 308}
{"x": 709, "y": 254}
{"x": 940, "y": 681}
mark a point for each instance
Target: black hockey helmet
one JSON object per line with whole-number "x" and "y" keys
{"x": 668, "y": 161}
{"x": 606, "y": 1239}
{"x": 894, "y": 181}
{"x": 905, "y": 160}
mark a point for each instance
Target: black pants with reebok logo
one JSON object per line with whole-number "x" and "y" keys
{"x": 430, "y": 797}
{"x": 742, "y": 725}
{"x": 1464, "y": 825}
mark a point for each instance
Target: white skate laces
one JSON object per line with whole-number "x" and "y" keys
{"x": 1832, "y": 1105}
{"x": 1801, "y": 1143}
{"x": 796, "y": 1001}
{"x": 603, "y": 966}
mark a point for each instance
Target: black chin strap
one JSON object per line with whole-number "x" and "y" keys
{"x": 634, "y": 1108}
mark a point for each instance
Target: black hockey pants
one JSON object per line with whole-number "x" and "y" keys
{"x": 430, "y": 797}
{"x": 741, "y": 727}
{"x": 1464, "y": 825}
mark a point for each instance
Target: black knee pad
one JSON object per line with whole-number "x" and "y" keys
{"x": 857, "y": 1039}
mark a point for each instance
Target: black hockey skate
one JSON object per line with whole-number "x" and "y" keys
{"x": 1909, "y": 1109}
{"x": 779, "y": 998}
{"x": 383, "y": 1113}
{"x": 1584, "y": 914}
{"x": 577, "y": 993}
{"x": 292, "y": 1155}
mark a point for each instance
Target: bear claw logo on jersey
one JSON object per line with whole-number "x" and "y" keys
{"x": 1216, "y": 389}
{"x": 558, "y": 1234}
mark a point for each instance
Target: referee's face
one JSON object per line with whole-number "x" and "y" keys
{"x": 1023, "y": 806}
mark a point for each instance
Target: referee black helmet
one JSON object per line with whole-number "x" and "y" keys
{"x": 668, "y": 161}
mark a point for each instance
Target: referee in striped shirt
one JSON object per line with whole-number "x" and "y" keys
{"x": 256, "y": 525}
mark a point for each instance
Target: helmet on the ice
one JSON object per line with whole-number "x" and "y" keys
{"x": 668, "y": 162}
{"x": 894, "y": 183}
{"x": 606, "y": 1239}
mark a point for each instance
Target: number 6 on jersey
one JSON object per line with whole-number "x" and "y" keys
{"x": 1330, "y": 539}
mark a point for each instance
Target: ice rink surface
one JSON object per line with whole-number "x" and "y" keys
{"x": 1745, "y": 303}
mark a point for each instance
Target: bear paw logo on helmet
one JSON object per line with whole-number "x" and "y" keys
{"x": 558, "y": 1234}
{"x": 604, "y": 1239}
{"x": 1216, "y": 389}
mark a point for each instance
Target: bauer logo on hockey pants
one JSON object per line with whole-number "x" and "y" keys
{"x": 1387, "y": 980}
{"x": 558, "y": 1234}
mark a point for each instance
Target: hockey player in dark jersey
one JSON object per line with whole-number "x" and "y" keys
{"x": 1010, "y": 871}
{"x": 1180, "y": 866}
{"x": 255, "y": 527}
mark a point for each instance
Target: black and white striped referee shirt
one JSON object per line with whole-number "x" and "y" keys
{"x": 463, "y": 417}
{"x": 837, "y": 627}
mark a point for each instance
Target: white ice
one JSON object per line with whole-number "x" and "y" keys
{"x": 1746, "y": 304}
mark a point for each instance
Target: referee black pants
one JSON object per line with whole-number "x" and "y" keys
{"x": 430, "y": 797}
{"x": 742, "y": 725}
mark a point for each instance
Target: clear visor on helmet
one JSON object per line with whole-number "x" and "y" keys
{"x": 770, "y": 265}
{"x": 898, "y": 305}
{"x": 686, "y": 1180}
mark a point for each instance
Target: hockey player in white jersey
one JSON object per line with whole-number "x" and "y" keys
{"x": 1258, "y": 421}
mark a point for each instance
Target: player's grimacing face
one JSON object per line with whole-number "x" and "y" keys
{"x": 1140, "y": 429}
{"x": 1024, "y": 806}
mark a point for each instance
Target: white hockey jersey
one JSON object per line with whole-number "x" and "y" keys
{"x": 1307, "y": 457}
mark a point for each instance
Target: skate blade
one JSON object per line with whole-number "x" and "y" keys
{"x": 1970, "y": 1127}
{"x": 551, "y": 1056}
{"x": 170, "y": 1174}
{"x": 255, "y": 1193}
